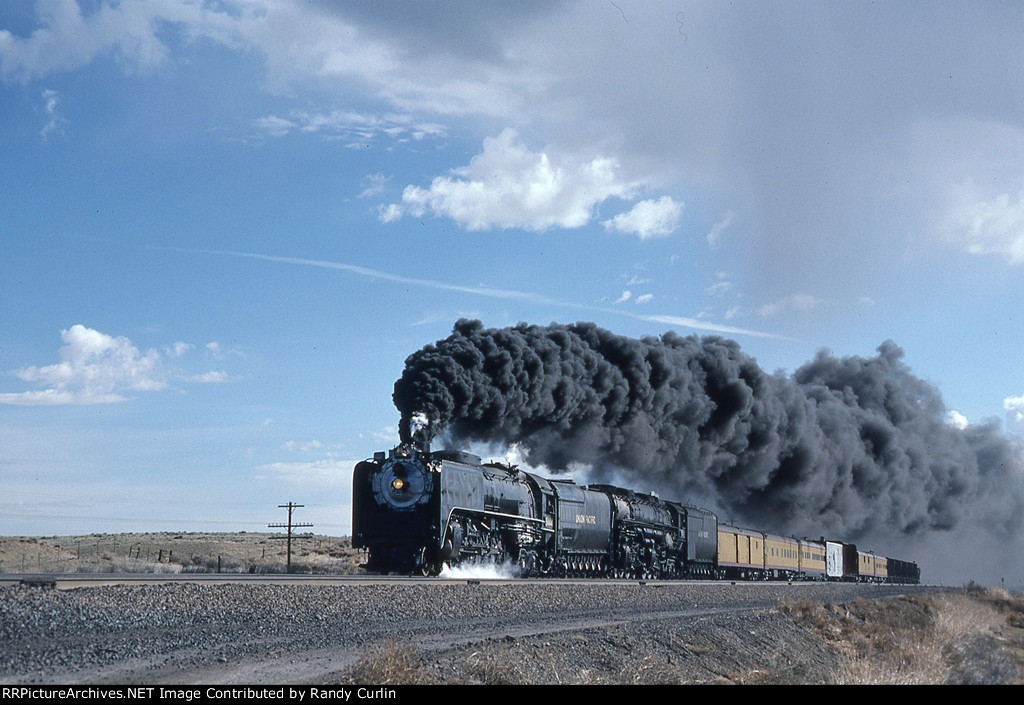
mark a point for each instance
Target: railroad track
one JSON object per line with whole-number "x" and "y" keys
{"x": 68, "y": 581}
{"x": 71, "y": 581}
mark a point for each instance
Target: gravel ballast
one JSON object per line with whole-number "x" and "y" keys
{"x": 267, "y": 633}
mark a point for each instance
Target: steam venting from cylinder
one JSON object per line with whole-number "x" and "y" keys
{"x": 853, "y": 446}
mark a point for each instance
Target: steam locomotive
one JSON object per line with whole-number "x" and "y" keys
{"x": 414, "y": 511}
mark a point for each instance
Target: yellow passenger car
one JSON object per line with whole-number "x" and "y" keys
{"x": 740, "y": 553}
{"x": 812, "y": 559}
{"x": 781, "y": 557}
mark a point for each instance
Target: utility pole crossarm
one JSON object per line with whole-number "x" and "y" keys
{"x": 289, "y": 526}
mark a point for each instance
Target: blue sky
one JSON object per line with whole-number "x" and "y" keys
{"x": 226, "y": 224}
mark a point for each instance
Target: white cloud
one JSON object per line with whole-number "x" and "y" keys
{"x": 390, "y": 213}
{"x": 130, "y": 30}
{"x": 315, "y": 474}
{"x": 211, "y": 377}
{"x": 219, "y": 352}
{"x": 721, "y": 286}
{"x": 51, "y": 100}
{"x": 508, "y": 186}
{"x": 95, "y": 368}
{"x": 649, "y": 218}
{"x": 274, "y": 126}
{"x": 1015, "y": 406}
{"x": 956, "y": 419}
{"x": 993, "y": 226}
{"x": 794, "y": 302}
{"x": 178, "y": 349}
{"x": 303, "y": 446}
{"x": 348, "y": 126}
{"x": 715, "y": 234}
{"x": 374, "y": 185}
{"x": 627, "y": 295}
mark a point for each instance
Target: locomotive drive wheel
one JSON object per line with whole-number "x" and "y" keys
{"x": 526, "y": 564}
{"x": 425, "y": 567}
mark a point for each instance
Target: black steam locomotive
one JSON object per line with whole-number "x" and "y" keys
{"x": 415, "y": 511}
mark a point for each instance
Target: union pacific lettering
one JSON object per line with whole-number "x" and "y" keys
{"x": 586, "y": 519}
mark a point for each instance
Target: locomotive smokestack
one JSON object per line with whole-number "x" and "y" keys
{"x": 854, "y": 445}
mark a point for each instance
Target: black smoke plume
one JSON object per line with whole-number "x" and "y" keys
{"x": 851, "y": 446}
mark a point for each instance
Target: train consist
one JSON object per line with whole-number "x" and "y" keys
{"x": 415, "y": 511}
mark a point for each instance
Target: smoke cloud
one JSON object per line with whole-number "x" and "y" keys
{"x": 851, "y": 447}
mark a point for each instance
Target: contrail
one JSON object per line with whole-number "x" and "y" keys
{"x": 488, "y": 292}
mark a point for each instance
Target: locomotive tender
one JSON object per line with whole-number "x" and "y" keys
{"x": 414, "y": 511}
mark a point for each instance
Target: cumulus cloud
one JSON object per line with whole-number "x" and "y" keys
{"x": 991, "y": 226}
{"x": 390, "y": 213}
{"x": 957, "y": 420}
{"x": 509, "y": 186}
{"x": 649, "y": 218}
{"x": 94, "y": 368}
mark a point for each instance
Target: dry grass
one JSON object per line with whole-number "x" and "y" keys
{"x": 490, "y": 666}
{"x": 957, "y": 637}
{"x": 389, "y": 663}
{"x": 972, "y": 636}
{"x": 650, "y": 669}
{"x": 169, "y": 552}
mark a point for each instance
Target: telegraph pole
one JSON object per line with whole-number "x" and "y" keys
{"x": 290, "y": 506}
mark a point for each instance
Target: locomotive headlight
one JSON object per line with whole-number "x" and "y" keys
{"x": 403, "y": 483}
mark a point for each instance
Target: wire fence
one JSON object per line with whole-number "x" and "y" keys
{"x": 179, "y": 553}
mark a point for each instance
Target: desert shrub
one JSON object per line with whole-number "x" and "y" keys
{"x": 933, "y": 639}
{"x": 389, "y": 663}
{"x": 650, "y": 669}
{"x": 490, "y": 667}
